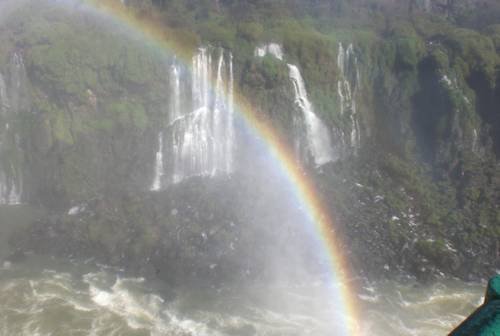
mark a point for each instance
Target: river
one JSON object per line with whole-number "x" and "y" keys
{"x": 48, "y": 297}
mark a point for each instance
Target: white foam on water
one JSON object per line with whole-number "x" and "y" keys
{"x": 103, "y": 304}
{"x": 142, "y": 311}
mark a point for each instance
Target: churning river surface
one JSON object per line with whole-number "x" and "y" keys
{"x": 44, "y": 298}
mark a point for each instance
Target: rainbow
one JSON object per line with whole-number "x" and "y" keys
{"x": 303, "y": 187}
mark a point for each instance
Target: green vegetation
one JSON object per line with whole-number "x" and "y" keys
{"x": 427, "y": 107}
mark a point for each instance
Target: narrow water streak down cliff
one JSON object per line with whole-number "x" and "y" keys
{"x": 12, "y": 100}
{"x": 312, "y": 137}
{"x": 317, "y": 135}
{"x": 347, "y": 89}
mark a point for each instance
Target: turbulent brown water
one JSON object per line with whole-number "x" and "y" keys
{"x": 41, "y": 297}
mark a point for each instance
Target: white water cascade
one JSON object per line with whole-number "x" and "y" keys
{"x": 4, "y": 102}
{"x": 8, "y": 189}
{"x": 175, "y": 116}
{"x": 347, "y": 89}
{"x": 273, "y": 49}
{"x": 12, "y": 92}
{"x": 159, "y": 170}
{"x": 10, "y": 193}
{"x": 309, "y": 127}
{"x": 317, "y": 135}
{"x": 201, "y": 131}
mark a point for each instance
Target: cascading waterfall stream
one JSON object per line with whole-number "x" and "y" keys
{"x": 200, "y": 141}
{"x": 11, "y": 101}
{"x": 229, "y": 150}
{"x": 159, "y": 171}
{"x": 18, "y": 73}
{"x": 347, "y": 88}
{"x": 317, "y": 135}
{"x": 218, "y": 130}
{"x": 4, "y": 103}
{"x": 273, "y": 49}
{"x": 175, "y": 116}
{"x": 8, "y": 193}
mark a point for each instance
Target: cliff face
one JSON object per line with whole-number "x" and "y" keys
{"x": 397, "y": 120}
{"x": 80, "y": 105}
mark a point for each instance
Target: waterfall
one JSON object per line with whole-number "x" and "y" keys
{"x": 308, "y": 126}
{"x": 4, "y": 103}
{"x": 475, "y": 141}
{"x": 202, "y": 139}
{"x": 218, "y": 129}
{"x": 17, "y": 81}
{"x": 273, "y": 49}
{"x": 159, "y": 171}
{"x": 4, "y": 127}
{"x": 230, "y": 118}
{"x": 10, "y": 186}
{"x": 12, "y": 96}
{"x": 317, "y": 135}
{"x": 175, "y": 116}
{"x": 347, "y": 88}
{"x": 342, "y": 84}
{"x": 175, "y": 96}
